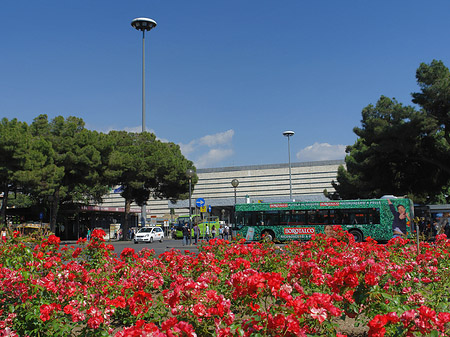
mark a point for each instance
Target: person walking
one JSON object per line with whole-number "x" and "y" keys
{"x": 3, "y": 234}
{"x": 196, "y": 233}
{"x": 185, "y": 235}
{"x": 225, "y": 232}
{"x": 207, "y": 232}
{"x": 213, "y": 232}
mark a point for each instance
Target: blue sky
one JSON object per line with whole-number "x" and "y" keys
{"x": 224, "y": 79}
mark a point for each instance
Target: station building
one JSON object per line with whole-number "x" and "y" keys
{"x": 257, "y": 183}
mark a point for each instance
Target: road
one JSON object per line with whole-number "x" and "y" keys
{"x": 159, "y": 247}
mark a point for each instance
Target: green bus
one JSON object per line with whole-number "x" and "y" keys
{"x": 299, "y": 220}
{"x": 212, "y": 221}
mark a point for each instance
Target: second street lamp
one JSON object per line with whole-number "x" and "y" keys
{"x": 289, "y": 134}
{"x": 235, "y": 184}
{"x": 190, "y": 174}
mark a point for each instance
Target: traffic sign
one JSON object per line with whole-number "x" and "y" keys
{"x": 209, "y": 208}
{"x": 200, "y": 202}
{"x": 203, "y": 209}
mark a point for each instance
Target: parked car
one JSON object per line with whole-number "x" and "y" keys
{"x": 149, "y": 234}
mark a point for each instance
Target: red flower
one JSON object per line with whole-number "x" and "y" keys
{"x": 319, "y": 313}
{"x": 96, "y": 318}
{"x": 54, "y": 240}
{"x": 68, "y": 309}
{"x": 371, "y": 279}
{"x": 76, "y": 252}
{"x": 127, "y": 252}
{"x": 47, "y": 310}
{"x": 377, "y": 326}
{"x": 99, "y": 234}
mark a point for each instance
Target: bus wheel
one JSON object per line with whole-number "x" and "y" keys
{"x": 359, "y": 237}
{"x": 268, "y": 235}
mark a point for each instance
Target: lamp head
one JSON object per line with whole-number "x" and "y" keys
{"x": 235, "y": 183}
{"x": 288, "y": 133}
{"x": 190, "y": 173}
{"x": 143, "y": 24}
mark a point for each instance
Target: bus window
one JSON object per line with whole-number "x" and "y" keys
{"x": 373, "y": 216}
{"x": 246, "y": 218}
{"x": 284, "y": 217}
{"x": 318, "y": 217}
{"x": 298, "y": 217}
{"x": 272, "y": 218}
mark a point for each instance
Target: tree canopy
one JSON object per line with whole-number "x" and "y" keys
{"x": 61, "y": 162}
{"x": 401, "y": 150}
{"x": 146, "y": 167}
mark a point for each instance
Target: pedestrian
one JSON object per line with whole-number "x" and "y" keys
{"x": 221, "y": 232}
{"x": 443, "y": 223}
{"x": 88, "y": 236}
{"x": 225, "y": 232}
{"x": 207, "y": 232}
{"x": 3, "y": 234}
{"x": 196, "y": 233}
{"x": 185, "y": 235}
{"x": 174, "y": 232}
{"x": 213, "y": 232}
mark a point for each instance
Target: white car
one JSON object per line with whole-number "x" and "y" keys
{"x": 149, "y": 234}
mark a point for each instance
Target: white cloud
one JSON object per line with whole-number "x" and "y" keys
{"x": 213, "y": 156}
{"x": 217, "y": 147}
{"x": 187, "y": 149}
{"x": 321, "y": 151}
{"x": 133, "y": 129}
{"x": 206, "y": 151}
{"x": 221, "y": 138}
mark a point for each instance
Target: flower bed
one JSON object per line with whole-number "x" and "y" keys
{"x": 227, "y": 289}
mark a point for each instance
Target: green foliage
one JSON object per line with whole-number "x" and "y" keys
{"x": 434, "y": 81}
{"x": 145, "y": 167}
{"x": 74, "y": 163}
{"x": 20, "y": 200}
{"x": 400, "y": 150}
{"x": 60, "y": 162}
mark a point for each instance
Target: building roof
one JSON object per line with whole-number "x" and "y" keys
{"x": 271, "y": 166}
{"x": 223, "y": 202}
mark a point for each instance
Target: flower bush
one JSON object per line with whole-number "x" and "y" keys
{"x": 227, "y": 289}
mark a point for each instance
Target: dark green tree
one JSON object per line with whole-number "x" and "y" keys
{"x": 394, "y": 154}
{"x": 76, "y": 167}
{"x": 145, "y": 167}
{"x": 14, "y": 145}
{"x": 401, "y": 150}
{"x": 434, "y": 82}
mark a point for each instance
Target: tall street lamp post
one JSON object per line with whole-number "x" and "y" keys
{"x": 143, "y": 24}
{"x": 235, "y": 184}
{"x": 190, "y": 174}
{"x": 289, "y": 134}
